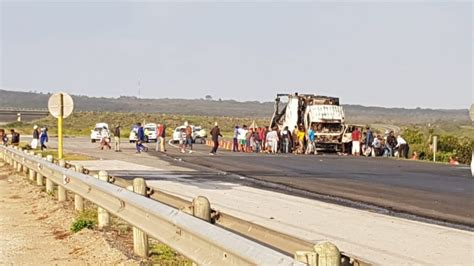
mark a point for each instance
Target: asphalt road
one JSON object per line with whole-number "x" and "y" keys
{"x": 396, "y": 187}
{"x": 436, "y": 191}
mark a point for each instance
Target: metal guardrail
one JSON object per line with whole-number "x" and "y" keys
{"x": 198, "y": 240}
{"x": 23, "y": 109}
{"x": 282, "y": 242}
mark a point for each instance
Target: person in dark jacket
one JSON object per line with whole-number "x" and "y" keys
{"x": 15, "y": 141}
{"x": 140, "y": 139}
{"x": 44, "y": 138}
{"x": 215, "y": 134}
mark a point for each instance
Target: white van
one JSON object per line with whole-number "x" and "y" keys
{"x": 96, "y": 132}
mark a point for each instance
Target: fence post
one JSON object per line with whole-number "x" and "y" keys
{"x": 103, "y": 215}
{"x": 49, "y": 182}
{"x": 39, "y": 177}
{"x": 310, "y": 258}
{"x": 61, "y": 189}
{"x": 140, "y": 239}
{"x": 202, "y": 208}
{"x": 31, "y": 172}
{"x": 328, "y": 254}
{"x": 78, "y": 200}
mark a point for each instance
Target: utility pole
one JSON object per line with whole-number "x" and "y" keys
{"x": 139, "y": 81}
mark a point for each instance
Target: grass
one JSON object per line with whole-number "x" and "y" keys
{"x": 161, "y": 254}
{"x": 85, "y": 219}
{"x": 68, "y": 156}
{"x": 81, "y": 123}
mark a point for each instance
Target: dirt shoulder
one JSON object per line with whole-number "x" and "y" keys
{"x": 35, "y": 229}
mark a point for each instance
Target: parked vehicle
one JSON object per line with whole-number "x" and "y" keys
{"x": 151, "y": 131}
{"x": 322, "y": 113}
{"x": 199, "y": 134}
{"x": 133, "y": 134}
{"x": 96, "y": 132}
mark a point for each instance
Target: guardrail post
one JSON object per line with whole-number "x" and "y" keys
{"x": 202, "y": 208}
{"x": 140, "y": 239}
{"x": 31, "y": 172}
{"x": 309, "y": 258}
{"x": 18, "y": 165}
{"x": 39, "y": 177}
{"x": 78, "y": 200}
{"x": 328, "y": 254}
{"x": 61, "y": 189}
{"x": 49, "y": 182}
{"x": 103, "y": 215}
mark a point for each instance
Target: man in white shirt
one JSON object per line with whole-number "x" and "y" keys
{"x": 402, "y": 146}
{"x": 242, "y": 138}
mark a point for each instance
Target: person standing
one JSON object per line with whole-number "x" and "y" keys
{"x": 272, "y": 140}
{"x": 44, "y": 138}
{"x": 35, "y": 140}
{"x": 215, "y": 134}
{"x": 301, "y": 134}
{"x": 242, "y": 138}
{"x": 162, "y": 137}
{"x": 15, "y": 141}
{"x": 402, "y": 146}
{"x": 117, "y": 138}
{"x": 235, "y": 142}
{"x": 391, "y": 143}
{"x": 140, "y": 139}
{"x": 286, "y": 136}
{"x": 311, "y": 148}
{"x": 189, "y": 137}
{"x": 356, "y": 142}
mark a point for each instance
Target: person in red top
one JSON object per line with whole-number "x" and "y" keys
{"x": 356, "y": 142}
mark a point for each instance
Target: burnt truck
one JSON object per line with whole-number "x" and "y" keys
{"x": 322, "y": 113}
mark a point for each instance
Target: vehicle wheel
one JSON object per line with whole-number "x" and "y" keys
{"x": 93, "y": 140}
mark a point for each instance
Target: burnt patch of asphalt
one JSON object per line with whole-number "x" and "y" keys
{"x": 234, "y": 176}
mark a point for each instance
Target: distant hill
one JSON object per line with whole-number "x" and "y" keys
{"x": 354, "y": 113}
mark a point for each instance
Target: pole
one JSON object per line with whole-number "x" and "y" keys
{"x": 435, "y": 147}
{"x": 60, "y": 126}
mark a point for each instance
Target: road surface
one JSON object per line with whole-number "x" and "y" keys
{"x": 425, "y": 189}
{"x": 438, "y": 191}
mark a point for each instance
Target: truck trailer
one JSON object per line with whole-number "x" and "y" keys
{"x": 322, "y": 113}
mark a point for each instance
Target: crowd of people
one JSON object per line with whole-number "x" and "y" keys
{"x": 273, "y": 140}
{"x": 356, "y": 141}
{"x": 301, "y": 141}
{"x": 368, "y": 144}
{"x": 39, "y": 138}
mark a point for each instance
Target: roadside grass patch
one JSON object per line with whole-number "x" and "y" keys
{"x": 161, "y": 254}
{"x": 85, "y": 219}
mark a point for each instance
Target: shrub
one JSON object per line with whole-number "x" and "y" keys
{"x": 86, "y": 219}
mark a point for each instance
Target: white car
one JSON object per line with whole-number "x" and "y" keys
{"x": 96, "y": 132}
{"x": 151, "y": 131}
{"x": 199, "y": 134}
{"x": 133, "y": 135}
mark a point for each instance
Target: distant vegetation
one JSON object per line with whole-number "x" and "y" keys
{"x": 231, "y": 108}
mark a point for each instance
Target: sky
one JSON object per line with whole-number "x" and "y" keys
{"x": 390, "y": 54}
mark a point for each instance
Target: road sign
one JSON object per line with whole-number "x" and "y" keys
{"x": 54, "y": 104}
{"x": 60, "y": 105}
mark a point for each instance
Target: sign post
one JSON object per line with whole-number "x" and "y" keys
{"x": 60, "y": 105}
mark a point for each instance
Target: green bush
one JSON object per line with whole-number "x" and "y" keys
{"x": 80, "y": 224}
{"x": 86, "y": 219}
{"x": 413, "y": 136}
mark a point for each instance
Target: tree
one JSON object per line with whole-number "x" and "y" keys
{"x": 208, "y": 97}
